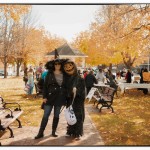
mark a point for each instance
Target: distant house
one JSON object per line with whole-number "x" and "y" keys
{"x": 65, "y": 51}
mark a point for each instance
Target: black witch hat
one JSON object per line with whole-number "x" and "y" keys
{"x": 56, "y": 54}
{"x": 50, "y": 64}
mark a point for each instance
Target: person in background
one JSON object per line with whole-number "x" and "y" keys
{"x": 118, "y": 75}
{"x": 44, "y": 74}
{"x": 80, "y": 73}
{"x": 128, "y": 76}
{"x": 90, "y": 80}
{"x": 141, "y": 75}
{"x": 54, "y": 95}
{"x": 85, "y": 74}
{"x": 100, "y": 76}
{"x": 25, "y": 78}
{"x": 145, "y": 91}
{"x": 30, "y": 81}
{"x": 39, "y": 71}
{"x": 111, "y": 81}
{"x": 123, "y": 73}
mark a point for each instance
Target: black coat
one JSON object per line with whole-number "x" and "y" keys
{"x": 90, "y": 80}
{"x": 53, "y": 92}
{"x": 78, "y": 104}
{"x": 128, "y": 77}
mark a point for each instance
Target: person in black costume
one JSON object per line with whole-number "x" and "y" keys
{"x": 54, "y": 95}
{"x": 75, "y": 84}
{"x": 90, "y": 80}
{"x": 145, "y": 91}
{"x": 128, "y": 76}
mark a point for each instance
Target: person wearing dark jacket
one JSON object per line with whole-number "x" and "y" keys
{"x": 128, "y": 76}
{"x": 111, "y": 81}
{"x": 145, "y": 91}
{"x": 90, "y": 79}
{"x": 54, "y": 95}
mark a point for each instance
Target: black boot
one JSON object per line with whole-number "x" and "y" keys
{"x": 54, "y": 126}
{"x": 40, "y": 134}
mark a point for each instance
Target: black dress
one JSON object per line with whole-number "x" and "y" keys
{"x": 78, "y": 104}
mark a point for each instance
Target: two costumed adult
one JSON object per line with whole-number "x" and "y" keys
{"x": 61, "y": 83}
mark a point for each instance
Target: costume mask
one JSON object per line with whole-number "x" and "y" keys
{"x": 70, "y": 68}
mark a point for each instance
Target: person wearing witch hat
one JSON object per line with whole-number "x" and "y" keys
{"x": 54, "y": 95}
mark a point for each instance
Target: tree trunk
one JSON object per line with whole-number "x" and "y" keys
{"x": 128, "y": 66}
{"x": 19, "y": 61}
{"x": 18, "y": 66}
{"x": 128, "y": 61}
{"x": 5, "y": 67}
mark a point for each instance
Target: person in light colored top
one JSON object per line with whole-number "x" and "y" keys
{"x": 30, "y": 81}
{"x": 100, "y": 76}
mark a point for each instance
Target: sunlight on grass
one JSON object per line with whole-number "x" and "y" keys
{"x": 129, "y": 124}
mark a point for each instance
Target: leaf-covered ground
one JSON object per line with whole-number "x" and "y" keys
{"x": 128, "y": 125}
{"x": 130, "y": 122}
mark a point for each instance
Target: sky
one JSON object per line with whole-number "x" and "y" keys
{"x": 65, "y": 21}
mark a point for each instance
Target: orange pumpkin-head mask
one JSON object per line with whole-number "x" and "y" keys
{"x": 70, "y": 67}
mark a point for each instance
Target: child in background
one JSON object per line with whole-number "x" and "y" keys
{"x": 30, "y": 81}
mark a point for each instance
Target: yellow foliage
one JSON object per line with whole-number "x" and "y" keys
{"x": 14, "y": 11}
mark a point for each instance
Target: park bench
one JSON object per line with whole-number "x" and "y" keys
{"x": 8, "y": 115}
{"x": 105, "y": 98}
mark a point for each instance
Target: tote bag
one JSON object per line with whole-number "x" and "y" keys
{"x": 69, "y": 113}
{"x": 70, "y": 116}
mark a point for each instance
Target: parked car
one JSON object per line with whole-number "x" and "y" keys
{"x": 1, "y": 73}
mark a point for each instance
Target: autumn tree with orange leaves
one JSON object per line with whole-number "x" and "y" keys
{"x": 119, "y": 34}
{"x": 9, "y": 16}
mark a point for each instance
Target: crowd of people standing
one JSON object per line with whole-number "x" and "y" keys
{"x": 107, "y": 77}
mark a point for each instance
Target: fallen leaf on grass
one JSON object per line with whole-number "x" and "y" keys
{"x": 137, "y": 121}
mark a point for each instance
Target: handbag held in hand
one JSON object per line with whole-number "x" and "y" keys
{"x": 69, "y": 114}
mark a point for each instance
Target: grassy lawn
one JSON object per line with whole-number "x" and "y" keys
{"x": 128, "y": 125}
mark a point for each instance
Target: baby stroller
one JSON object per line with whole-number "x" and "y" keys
{"x": 39, "y": 87}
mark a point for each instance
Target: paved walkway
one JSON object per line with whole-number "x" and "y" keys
{"x": 25, "y": 135}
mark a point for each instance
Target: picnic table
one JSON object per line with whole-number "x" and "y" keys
{"x": 100, "y": 84}
{"x": 124, "y": 86}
